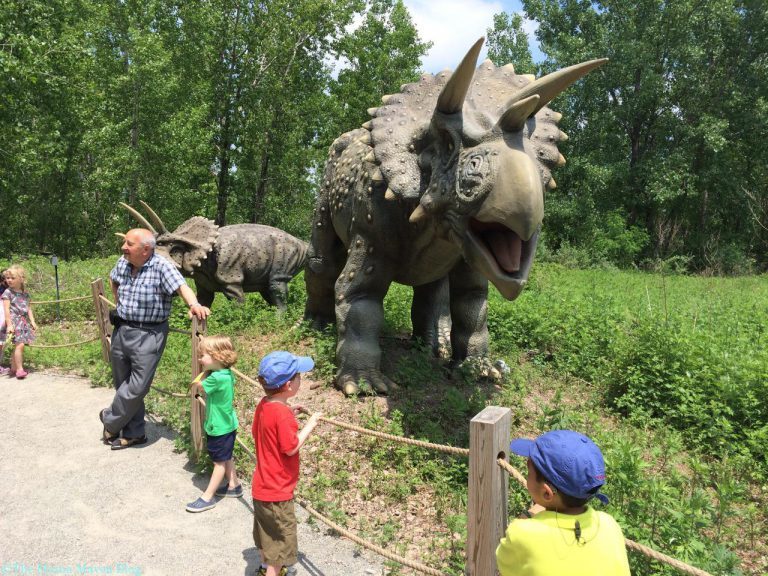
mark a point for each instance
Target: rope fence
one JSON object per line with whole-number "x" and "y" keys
{"x": 100, "y": 301}
{"x": 373, "y": 547}
{"x": 107, "y": 302}
{"x": 401, "y": 439}
{"x": 74, "y": 299}
{"x": 675, "y": 563}
{"x": 68, "y": 345}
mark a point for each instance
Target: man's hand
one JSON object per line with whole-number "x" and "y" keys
{"x": 199, "y": 311}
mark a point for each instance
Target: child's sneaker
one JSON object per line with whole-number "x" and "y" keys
{"x": 4, "y": 370}
{"x": 21, "y": 374}
{"x": 224, "y": 491}
{"x": 200, "y": 505}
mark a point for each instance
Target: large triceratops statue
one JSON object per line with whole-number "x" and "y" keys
{"x": 444, "y": 184}
{"x": 230, "y": 259}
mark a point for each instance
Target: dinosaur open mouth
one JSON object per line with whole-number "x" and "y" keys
{"x": 500, "y": 255}
{"x": 503, "y": 246}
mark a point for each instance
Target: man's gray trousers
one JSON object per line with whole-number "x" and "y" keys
{"x": 135, "y": 353}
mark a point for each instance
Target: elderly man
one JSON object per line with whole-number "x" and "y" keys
{"x": 143, "y": 285}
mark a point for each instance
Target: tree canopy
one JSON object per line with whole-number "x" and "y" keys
{"x": 226, "y": 108}
{"x": 221, "y": 108}
{"x": 665, "y": 156}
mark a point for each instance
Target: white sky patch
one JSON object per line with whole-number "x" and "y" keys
{"x": 453, "y": 26}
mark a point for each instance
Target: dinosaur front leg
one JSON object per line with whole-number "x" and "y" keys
{"x": 469, "y": 312}
{"x": 325, "y": 259}
{"x": 430, "y": 315}
{"x": 360, "y": 292}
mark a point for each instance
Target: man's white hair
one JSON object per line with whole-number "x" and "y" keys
{"x": 147, "y": 238}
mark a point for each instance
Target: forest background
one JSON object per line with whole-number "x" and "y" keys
{"x": 226, "y": 109}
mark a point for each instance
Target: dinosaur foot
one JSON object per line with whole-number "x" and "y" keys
{"x": 476, "y": 368}
{"x": 317, "y": 322}
{"x": 369, "y": 381}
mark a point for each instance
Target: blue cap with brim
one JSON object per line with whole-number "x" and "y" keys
{"x": 569, "y": 460}
{"x": 277, "y": 368}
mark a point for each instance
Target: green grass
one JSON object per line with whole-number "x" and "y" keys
{"x": 666, "y": 373}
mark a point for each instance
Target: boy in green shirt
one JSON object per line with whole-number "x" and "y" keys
{"x": 217, "y": 355}
{"x": 565, "y": 471}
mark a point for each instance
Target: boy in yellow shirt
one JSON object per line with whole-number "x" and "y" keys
{"x": 565, "y": 471}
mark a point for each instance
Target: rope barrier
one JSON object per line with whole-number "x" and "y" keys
{"x": 244, "y": 376}
{"x": 167, "y": 393}
{"x": 107, "y": 302}
{"x": 675, "y": 563}
{"x": 630, "y": 544}
{"x": 63, "y": 345}
{"x": 378, "y": 549}
{"x": 62, "y": 300}
{"x": 245, "y": 447}
{"x": 512, "y": 471}
{"x": 178, "y": 331}
{"x": 402, "y": 439}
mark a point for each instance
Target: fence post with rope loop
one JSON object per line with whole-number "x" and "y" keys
{"x": 489, "y": 433}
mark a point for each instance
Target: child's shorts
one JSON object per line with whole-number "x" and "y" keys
{"x": 274, "y": 532}
{"x": 220, "y": 447}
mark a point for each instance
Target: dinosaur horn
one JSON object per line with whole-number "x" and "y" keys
{"x": 120, "y": 235}
{"x": 549, "y": 86}
{"x": 155, "y": 218}
{"x": 451, "y": 99}
{"x": 139, "y": 217}
{"x": 516, "y": 115}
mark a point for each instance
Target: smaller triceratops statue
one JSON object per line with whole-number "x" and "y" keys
{"x": 230, "y": 259}
{"x": 443, "y": 187}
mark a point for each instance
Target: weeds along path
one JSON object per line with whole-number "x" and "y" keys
{"x": 74, "y": 506}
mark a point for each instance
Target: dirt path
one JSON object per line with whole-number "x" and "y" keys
{"x": 73, "y": 506}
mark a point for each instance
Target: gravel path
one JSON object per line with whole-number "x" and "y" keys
{"x": 73, "y": 506}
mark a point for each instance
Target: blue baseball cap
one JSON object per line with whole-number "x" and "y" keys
{"x": 278, "y": 367}
{"x": 569, "y": 460}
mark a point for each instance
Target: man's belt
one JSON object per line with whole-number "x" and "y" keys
{"x": 134, "y": 324}
{"x": 117, "y": 321}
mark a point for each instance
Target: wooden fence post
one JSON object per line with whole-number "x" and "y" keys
{"x": 102, "y": 317}
{"x": 487, "y": 497}
{"x": 199, "y": 328}
{"x": 196, "y": 409}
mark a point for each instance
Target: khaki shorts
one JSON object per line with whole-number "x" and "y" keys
{"x": 274, "y": 532}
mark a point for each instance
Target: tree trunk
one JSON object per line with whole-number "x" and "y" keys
{"x": 257, "y": 201}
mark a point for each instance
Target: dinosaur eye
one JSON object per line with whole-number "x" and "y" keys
{"x": 475, "y": 164}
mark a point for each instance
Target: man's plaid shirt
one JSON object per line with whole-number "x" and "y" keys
{"x": 147, "y": 297}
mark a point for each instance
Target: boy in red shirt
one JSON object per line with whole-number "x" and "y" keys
{"x": 277, "y": 441}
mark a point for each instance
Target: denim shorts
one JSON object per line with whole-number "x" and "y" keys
{"x": 220, "y": 447}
